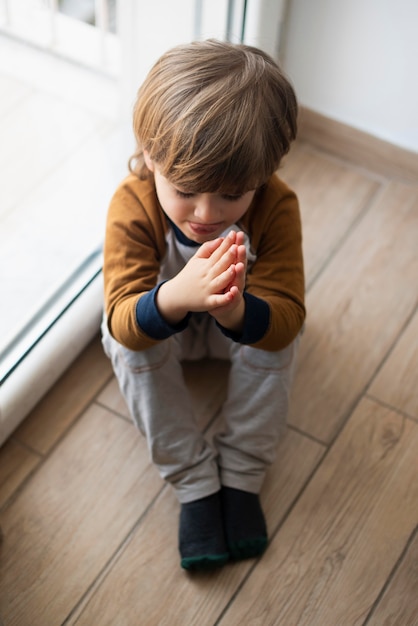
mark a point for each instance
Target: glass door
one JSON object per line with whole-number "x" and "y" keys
{"x": 64, "y": 149}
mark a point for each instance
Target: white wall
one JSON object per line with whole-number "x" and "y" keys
{"x": 356, "y": 61}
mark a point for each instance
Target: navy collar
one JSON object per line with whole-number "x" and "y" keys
{"x": 181, "y": 237}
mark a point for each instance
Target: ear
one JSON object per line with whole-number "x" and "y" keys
{"x": 148, "y": 161}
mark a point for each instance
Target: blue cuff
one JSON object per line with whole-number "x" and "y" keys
{"x": 150, "y": 320}
{"x": 256, "y": 321}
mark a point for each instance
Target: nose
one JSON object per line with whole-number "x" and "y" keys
{"x": 207, "y": 209}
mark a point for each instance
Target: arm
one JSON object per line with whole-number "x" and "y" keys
{"x": 134, "y": 244}
{"x": 277, "y": 275}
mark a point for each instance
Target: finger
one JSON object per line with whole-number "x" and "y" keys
{"x": 240, "y": 238}
{"x": 234, "y": 292}
{"x": 239, "y": 277}
{"x": 226, "y": 260}
{"x": 227, "y": 242}
{"x": 224, "y": 280}
{"x": 240, "y": 269}
{"x": 241, "y": 254}
{"x": 208, "y": 248}
{"x": 220, "y": 300}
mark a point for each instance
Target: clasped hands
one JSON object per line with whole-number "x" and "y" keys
{"x": 213, "y": 281}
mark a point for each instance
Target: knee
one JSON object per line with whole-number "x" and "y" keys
{"x": 136, "y": 361}
{"x": 264, "y": 360}
{"x": 144, "y": 360}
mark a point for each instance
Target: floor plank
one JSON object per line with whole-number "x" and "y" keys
{"x": 399, "y": 604}
{"x": 71, "y": 518}
{"x": 356, "y": 310}
{"x": 336, "y": 549}
{"x": 66, "y": 400}
{"x": 332, "y": 195}
{"x": 16, "y": 463}
{"x": 396, "y": 383}
{"x": 146, "y": 583}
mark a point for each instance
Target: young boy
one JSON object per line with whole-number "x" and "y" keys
{"x": 203, "y": 257}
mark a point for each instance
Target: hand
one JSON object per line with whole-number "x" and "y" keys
{"x": 231, "y": 314}
{"x": 240, "y": 263}
{"x": 212, "y": 279}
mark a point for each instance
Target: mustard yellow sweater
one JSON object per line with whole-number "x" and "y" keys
{"x": 136, "y": 245}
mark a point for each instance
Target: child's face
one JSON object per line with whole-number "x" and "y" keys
{"x": 200, "y": 216}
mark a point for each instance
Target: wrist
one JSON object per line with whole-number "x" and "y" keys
{"x": 167, "y": 305}
{"x": 233, "y": 319}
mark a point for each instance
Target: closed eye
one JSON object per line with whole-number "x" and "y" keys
{"x": 228, "y": 197}
{"x": 184, "y": 194}
{"x": 232, "y": 198}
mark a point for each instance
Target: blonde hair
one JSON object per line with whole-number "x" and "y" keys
{"x": 214, "y": 116}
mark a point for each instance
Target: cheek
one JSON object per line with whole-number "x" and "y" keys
{"x": 180, "y": 205}
{"x": 177, "y": 207}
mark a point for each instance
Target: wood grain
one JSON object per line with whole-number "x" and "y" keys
{"x": 356, "y": 311}
{"x": 72, "y": 517}
{"x": 399, "y": 604}
{"x": 333, "y": 554}
{"x": 396, "y": 382}
{"x": 16, "y": 463}
{"x": 146, "y": 584}
{"x": 66, "y": 400}
{"x": 331, "y": 197}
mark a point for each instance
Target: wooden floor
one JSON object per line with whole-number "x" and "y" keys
{"x": 90, "y": 530}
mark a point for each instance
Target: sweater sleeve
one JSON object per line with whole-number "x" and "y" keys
{"x": 256, "y": 321}
{"x": 151, "y": 321}
{"x": 277, "y": 275}
{"x": 133, "y": 249}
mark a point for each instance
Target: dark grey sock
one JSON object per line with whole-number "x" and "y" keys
{"x": 201, "y": 534}
{"x": 244, "y": 523}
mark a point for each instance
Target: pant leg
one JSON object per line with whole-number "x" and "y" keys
{"x": 254, "y": 413}
{"x": 153, "y": 386}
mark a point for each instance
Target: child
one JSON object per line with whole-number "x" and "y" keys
{"x": 203, "y": 257}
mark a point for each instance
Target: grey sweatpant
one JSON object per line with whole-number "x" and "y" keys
{"x": 254, "y": 412}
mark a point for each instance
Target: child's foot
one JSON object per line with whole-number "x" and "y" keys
{"x": 244, "y": 523}
{"x": 201, "y": 534}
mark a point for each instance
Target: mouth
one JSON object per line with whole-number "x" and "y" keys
{"x": 205, "y": 229}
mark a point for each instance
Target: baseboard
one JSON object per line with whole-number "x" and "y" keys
{"x": 357, "y": 146}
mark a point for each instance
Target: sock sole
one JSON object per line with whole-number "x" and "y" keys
{"x": 205, "y": 562}
{"x": 247, "y": 548}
